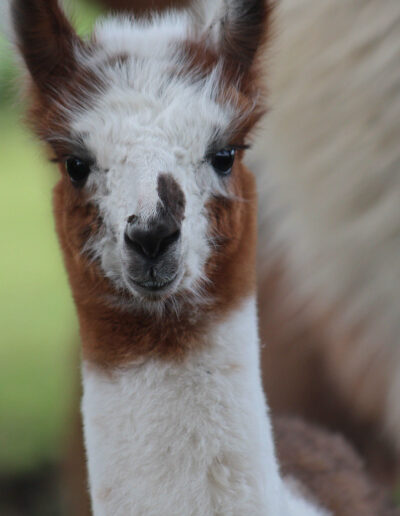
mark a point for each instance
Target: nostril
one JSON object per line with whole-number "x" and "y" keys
{"x": 134, "y": 244}
{"x": 168, "y": 241}
{"x": 151, "y": 243}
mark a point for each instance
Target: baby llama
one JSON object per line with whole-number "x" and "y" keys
{"x": 156, "y": 216}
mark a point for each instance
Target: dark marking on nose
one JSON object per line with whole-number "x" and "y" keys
{"x": 161, "y": 233}
{"x": 171, "y": 196}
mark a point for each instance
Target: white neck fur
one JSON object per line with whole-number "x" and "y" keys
{"x": 191, "y": 438}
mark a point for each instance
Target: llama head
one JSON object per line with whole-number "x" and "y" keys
{"x": 148, "y": 121}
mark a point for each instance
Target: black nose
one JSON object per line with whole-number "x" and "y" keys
{"x": 154, "y": 241}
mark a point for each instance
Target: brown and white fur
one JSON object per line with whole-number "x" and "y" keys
{"x": 160, "y": 250}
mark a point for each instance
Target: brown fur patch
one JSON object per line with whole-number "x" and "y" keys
{"x": 46, "y": 40}
{"x": 245, "y": 31}
{"x": 57, "y": 83}
{"x": 171, "y": 196}
{"x": 329, "y": 469}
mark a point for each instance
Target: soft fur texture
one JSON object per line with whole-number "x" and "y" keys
{"x": 304, "y": 461}
{"x": 330, "y": 197}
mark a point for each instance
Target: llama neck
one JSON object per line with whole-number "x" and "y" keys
{"x": 189, "y": 438}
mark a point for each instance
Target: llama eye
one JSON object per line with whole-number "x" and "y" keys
{"x": 222, "y": 161}
{"x": 78, "y": 170}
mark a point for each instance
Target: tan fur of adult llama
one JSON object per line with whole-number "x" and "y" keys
{"x": 331, "y": 142}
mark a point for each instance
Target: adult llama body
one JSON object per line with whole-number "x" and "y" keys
{"x": 156, "y": 216}
{"x": 331, "y": 215}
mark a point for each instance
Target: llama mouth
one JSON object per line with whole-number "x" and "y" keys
{"x": 153, "y": 286}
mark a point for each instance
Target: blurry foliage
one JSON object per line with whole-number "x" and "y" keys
{"x": 37, "y": 321}
{"x": 7, "y": 75}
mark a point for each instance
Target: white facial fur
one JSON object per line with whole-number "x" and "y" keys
{"x": 150, "y": 118}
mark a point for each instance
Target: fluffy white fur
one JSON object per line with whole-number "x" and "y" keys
{"x": 192, "y": 439}
{"x": 331, "y": 145}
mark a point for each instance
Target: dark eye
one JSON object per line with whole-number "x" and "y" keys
{"x": 78, "y": 170}
{"x": 222, "y": 161}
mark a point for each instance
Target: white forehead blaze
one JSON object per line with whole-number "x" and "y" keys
{"x": 150, "y": 118}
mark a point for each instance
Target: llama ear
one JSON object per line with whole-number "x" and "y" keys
{"x": 46, "y": 40}
{"x": 237, "y": 28}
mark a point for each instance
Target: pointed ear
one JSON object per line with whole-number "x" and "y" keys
{"x": 46, "y": 41}
{"x": 237, "y": 28}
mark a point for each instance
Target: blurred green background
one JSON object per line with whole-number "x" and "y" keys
{"x": 38, "y": 331}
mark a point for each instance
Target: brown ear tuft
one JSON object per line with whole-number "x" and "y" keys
{"x": 240, "y": 28}
{"x": 244, "y": 30}
{"x": 46, "y": 40}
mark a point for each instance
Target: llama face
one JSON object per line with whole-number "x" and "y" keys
{"x": 151, "y": 139}
{"x": 148, "y": 122}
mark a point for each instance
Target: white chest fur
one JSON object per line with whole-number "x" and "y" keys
{"x": 189, "y": 439}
